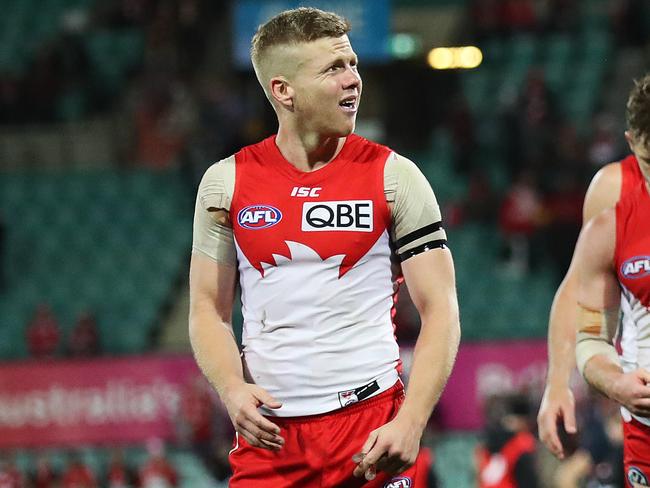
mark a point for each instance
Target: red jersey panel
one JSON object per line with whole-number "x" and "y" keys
{"x": 315, "y": 272}
{"x": 631, "y": 174}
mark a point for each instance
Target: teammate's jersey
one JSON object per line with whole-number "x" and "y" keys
{"x": 631, "y": 174}
{"x": 314, "y": 260}
{"x": 632, "y": 261}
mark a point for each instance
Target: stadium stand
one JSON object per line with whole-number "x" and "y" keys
{"x": 110, "y": 242}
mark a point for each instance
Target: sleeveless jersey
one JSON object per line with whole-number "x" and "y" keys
{"x": 631, "y": 174}
{"x": 315, "y": 273}
{"x": 632, "y": 261}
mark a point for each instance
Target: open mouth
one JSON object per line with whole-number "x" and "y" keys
{"x": 349, "y": 104}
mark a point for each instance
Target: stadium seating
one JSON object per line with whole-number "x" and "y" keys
{"x": 109, "y": 242}
{"x": 494, "y": 303}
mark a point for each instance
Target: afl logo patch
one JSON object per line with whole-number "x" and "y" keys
{"x": 399, "y": 482}
{"x": 636, "y": 477}
{"x": 636, "y": 267}
{"x": 256, "y": 217}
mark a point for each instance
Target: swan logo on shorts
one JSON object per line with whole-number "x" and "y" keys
{"x": 636, "y": 477}
{"x": 636, "y": 267}
{"x": 399, "y": 482}
{"x": 256, "y": 217}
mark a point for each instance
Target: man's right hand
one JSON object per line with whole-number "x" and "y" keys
{"x": 558, "y": 404}
{"x": 242, "y": 401}
{"x": 632, "y": 390}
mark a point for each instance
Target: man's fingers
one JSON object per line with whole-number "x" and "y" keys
{"x": 569, "y": 417}
{"x": 266, "y": 399}
{"x": 264, "y": 424}
{"x": 370, "y": 442}
{"x": 255, "y": 441}
{"x": 548, "y": 435}
{"x": 644, "y": 374}
{"x": 261, "y": 434}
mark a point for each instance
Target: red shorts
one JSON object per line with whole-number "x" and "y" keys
{"x": 636, "y": 453}
{"x": 318, "y": 449}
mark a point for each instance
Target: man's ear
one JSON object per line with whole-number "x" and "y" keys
{"x": 630, "y": 139}
{"x": 282, "y": 91}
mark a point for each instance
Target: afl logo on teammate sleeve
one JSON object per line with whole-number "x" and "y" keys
{"x": 636, "y": 267}
{"x": 347, "y": 215}
{"x": 257, "y": 217}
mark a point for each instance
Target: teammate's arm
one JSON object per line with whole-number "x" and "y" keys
{"x": 428, "y": 270}
{"x": 598, "y": 303}
{"x": 558, "y": 402}
{"x": 213, "y": 277}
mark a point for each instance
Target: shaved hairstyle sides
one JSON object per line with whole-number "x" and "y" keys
{"x": 289, "y": 28}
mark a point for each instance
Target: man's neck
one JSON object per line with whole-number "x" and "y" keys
{"x": 308, "y": 152}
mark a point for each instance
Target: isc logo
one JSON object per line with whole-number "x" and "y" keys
{"x": 305, "y": 191}
{"x": 257, "y": 217}
{"x": 348, "y": 215}
{"x": 636, "y": 267}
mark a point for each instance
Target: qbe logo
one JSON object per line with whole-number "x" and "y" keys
{"x": 400, "y": 482}
{"x": 347, "y": 215}
{"x": 636, "y": 267}
{"x": 257, "y": 217}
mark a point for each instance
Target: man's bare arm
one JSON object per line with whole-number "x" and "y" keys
{"x": 599, "y": 299}
{"x": 212, "y": 293}
{"x": 431, "y": 282}
{"x": 557, "y": 402}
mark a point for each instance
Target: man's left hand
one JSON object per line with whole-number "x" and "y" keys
{"x": 392, "y": 448}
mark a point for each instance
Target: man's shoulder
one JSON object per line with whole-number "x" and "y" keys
{"x": 222, "y": 168}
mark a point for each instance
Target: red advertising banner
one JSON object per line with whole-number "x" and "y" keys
{"x": 489, "y": 368}
{"x": 98, "y": 401}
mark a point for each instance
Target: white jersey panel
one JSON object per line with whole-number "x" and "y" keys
{"x": 312, "y": 337}
{"x": 635, "y": 340}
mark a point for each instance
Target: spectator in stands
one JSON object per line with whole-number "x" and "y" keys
{"x": 84, "y": 337}
{"x": 517, "y": 16}
{"x": 165, "y": 117}
{"x": 196, "y": 418}
{"x": 461, "y": 126}
{"x": 119, "y": 474}
{"x": 562, "y": 219}
{"x": 604, "y": 146}
{"x": 10, "y": 475}
{"x": 3, "y": 247}
{"x": 530, "y": 125}
{"x": 44, "y": 475}
{"x": 506, "y": 457}
{"x": 78, "y": 474}
{"x": 519, "y": 219}
{"x": 157, "y": 472}
{"x": 43, "y": 333}
{"x": 597, "y": 460}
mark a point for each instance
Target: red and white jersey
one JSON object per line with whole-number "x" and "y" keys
{"x": 631, "y": 174}
{"x": 632, "y": 261}
{"x": 315, "y": 273}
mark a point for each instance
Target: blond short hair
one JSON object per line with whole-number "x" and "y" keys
{"x": 304, "y": 24}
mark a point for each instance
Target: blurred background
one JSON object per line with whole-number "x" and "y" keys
{"x": 110, "y": 112}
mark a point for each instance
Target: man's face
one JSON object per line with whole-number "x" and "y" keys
{"x": 327, "y": 87}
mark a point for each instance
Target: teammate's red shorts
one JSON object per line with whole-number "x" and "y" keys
{"x": 318, "y": 449}
{"x": 636, "y": 453}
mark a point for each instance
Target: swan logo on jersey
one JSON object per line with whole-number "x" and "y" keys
{"x": 636, "y": 267}
{"x": 636, "y": 477}
{"x": 259, "y": 216}
{"x": 346, "y": 215}
{"x": 399, "y": 482}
